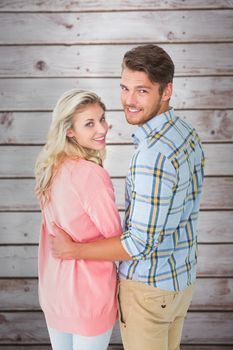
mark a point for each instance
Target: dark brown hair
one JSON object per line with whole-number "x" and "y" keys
{"x": 152, "y": 60}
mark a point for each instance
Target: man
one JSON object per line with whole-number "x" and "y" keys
{"x": 158, "y": 247}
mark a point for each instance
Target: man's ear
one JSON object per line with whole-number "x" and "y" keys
{"x": 70, "y": 133}
{"x": 167, "y": 93}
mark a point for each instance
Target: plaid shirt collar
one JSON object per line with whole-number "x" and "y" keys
{"x": 152, "y": 125}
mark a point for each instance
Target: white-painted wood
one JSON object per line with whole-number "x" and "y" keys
{"x": 110, "y": 5}
{"x": 105, "y": 60}
{"x": 18, "y": 161}
{"x": 18, "y": 195}
{"x": 20, "y": 228}
{"x": 18, "y": 261}
{"x": 210, "y": 294}
{"x": 81, "y": 43}
{"x": 42, "y": 94}
{"x": 217, "y": 194}
{"x": 21, "y": 261}
{"x": 23, "y": 227}
{"x": 126, "y": 27}
{"x": 30, "y": 328}
{"x": 32, "y": 127}
{"x": 116, "y": 347}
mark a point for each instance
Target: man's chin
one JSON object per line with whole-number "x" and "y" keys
{"x": 132, "y": 119}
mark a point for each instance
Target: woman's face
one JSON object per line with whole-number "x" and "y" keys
{"x": 90, "y": 127}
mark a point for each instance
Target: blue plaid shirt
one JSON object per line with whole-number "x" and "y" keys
{"x": 163, "y": 189}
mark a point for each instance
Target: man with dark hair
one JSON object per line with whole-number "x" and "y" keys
{"x": 158, "y": 246}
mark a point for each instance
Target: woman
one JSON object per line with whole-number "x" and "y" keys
{"x": 78, "y": 298}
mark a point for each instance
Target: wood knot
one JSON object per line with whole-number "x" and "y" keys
{"x": 6, "y": 119}
{"x": 41, "y": 65}
{"x": 2, "y": 319}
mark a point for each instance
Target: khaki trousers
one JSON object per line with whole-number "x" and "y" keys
{"x": 151, "y": 318}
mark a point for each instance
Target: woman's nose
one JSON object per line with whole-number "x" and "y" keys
{"x": 102, "y": 127}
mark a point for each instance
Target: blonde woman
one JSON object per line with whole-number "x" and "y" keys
{"x": 78, "y": 297}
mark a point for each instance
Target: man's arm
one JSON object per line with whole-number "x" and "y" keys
{"x": 63, "y": 247}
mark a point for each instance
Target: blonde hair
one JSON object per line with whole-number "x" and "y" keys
{"x": 59, "y": 146}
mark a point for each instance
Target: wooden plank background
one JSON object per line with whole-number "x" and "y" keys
{"x": 50, "y": 46}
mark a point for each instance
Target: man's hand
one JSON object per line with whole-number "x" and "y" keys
{"x": 62, "y": 245}
{"x": 109, "y": 249}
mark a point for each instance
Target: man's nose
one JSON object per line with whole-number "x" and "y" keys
{"x": 131, "y": 99}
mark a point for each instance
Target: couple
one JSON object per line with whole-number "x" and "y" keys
{"x": 81, "y": 235}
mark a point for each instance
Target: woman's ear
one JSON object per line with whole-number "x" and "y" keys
{"x": 70, "y": 133}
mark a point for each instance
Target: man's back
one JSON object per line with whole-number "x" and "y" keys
{"x": 163, "y": 196}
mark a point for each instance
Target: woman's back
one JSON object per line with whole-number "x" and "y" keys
{"x": 78, "y": 296}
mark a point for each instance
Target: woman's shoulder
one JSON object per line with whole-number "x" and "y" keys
{"x": 85, "y": 169}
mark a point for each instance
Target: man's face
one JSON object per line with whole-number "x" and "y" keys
{"x": 141, "y": 98}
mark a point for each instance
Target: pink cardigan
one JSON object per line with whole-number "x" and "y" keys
{"x": 79, "y": 296}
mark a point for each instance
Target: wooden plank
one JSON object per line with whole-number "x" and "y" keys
{"x": 30, "y": 328}
{"x": 32, "y": 127}
{"x": 219, "y": 159}
{"x": 129, "y": 27}
{"x": 211, "y": 294}
{"x": 217, "y": 194}
{"x": 105, "y": 60}
{"x": 21, "y": 261}
{"x": 19, "y": 294}
{"x": 215, "y": 227}
{"x": 117, "y": 347}
{"x": 23, "y": 198}
{"x": 32, "y": 347}
{"x": 18, "y": 161}
{"x": 41, "y": 94}
{"x": 110, "y": 5}
{"x": 20, "y": 228}
{"x": 23, "y": 227}
{"x": 18, "y": 261}
{"x": 214, "y": 294}
{"x": 215, "y": 260}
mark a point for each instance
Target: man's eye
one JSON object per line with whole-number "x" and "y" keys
{"x": 143, "y": 91}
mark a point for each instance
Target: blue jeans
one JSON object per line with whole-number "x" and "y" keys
{"x": 69, "y": 341}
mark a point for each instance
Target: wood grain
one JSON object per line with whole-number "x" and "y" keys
{"x": 47, "y": 47}
{"x": 41, "y": 94}
{"x": 19, "y": 161}
{"x": 217, "y": 194}
{"x": 21, "y": 261}
{"x": 105, "y": 60}
{"x": 30, "y": 328}
{"x": 130, "y": 27}
{"x": 117, "y": 347}
{"x": 32, "y": 127}
{"x": 215, "y": 294}
{"x": 110, "y": 5}
{"x": 23, "y": 227}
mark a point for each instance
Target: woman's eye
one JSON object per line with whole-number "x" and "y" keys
{"x": 103, "y": 119}
{"x": 90, "y": 124}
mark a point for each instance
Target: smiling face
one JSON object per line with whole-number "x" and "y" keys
{"x": 141, "y": 98}
{"x": 90, "y": 127}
